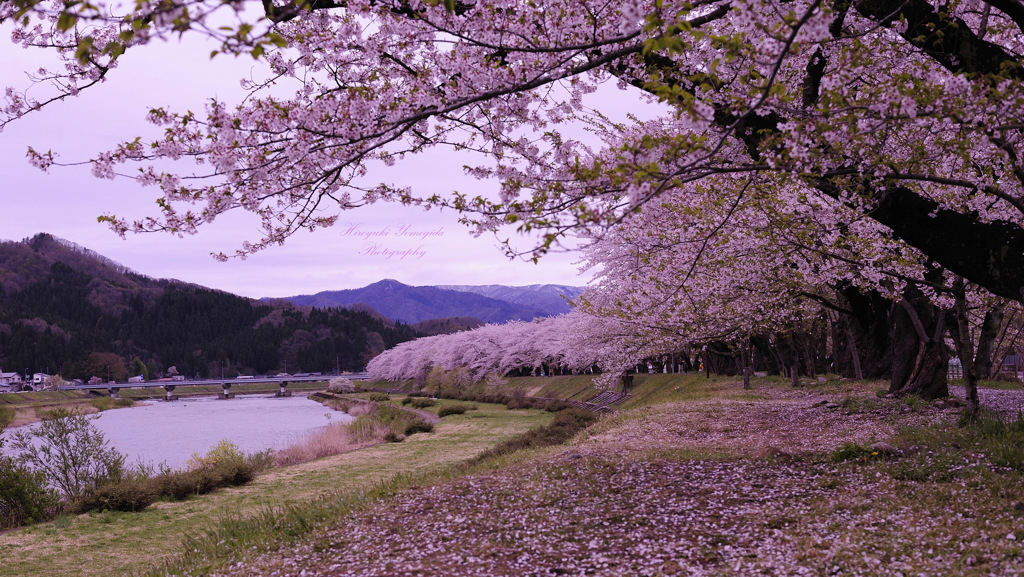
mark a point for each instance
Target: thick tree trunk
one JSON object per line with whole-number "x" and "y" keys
{"x": 920, "y": 361}
{"x": 984, "y": 359}
{"x": 862, "y": 338}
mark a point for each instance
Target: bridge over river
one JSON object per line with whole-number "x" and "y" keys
{"x": 170, "y": 386}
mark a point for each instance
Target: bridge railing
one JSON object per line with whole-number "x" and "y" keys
{"x": 214, "y": 381}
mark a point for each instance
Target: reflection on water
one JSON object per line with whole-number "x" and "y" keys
{"x": 171, "y": 431}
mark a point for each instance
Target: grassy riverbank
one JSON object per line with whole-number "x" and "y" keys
{"x": 125, "y": 543}
{"x": 689, "y": 476}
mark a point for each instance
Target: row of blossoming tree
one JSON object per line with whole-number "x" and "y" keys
{"x": 858, "y": 154}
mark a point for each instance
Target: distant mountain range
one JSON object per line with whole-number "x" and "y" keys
{"x": 550, "y": 299}
{"x": 65, "y": 308}
{"x": 414, "y": 304}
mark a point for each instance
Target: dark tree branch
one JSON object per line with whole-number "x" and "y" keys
{"x": 1013, "y": 9}
{"x": 944, "y": 38}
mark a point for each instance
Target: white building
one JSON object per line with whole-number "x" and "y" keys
{"x": 10, "y": 382}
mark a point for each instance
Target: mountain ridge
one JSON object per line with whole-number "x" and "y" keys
{"x": 415, "y": 304}
{"x": 65, "y": 308}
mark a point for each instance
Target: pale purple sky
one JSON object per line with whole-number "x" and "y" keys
{"x": 66, "y": 201}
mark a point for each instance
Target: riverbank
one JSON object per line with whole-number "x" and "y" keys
{"x": 104, "y": 544}
{"x": 689, "y": 476}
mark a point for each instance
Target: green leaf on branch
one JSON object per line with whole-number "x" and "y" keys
{"x": 66, "y": 21}
{"x": 84, "y": 50}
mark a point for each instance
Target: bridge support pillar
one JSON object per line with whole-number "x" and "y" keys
{"x": 170, "y": 393}
{"x": 113, "y": 392}
{"x": 284, "y": 392}
{"x": 227, "y": 394}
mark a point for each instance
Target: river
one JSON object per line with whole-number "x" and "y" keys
{"x": 170, "y": 432}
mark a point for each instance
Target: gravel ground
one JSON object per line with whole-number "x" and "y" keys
{"x": 1005, "y": 402}
{"x": 704, "y": 488}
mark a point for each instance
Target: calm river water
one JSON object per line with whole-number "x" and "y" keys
{"x": 171, "y": 431}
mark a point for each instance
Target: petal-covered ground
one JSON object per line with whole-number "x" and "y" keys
{"x": 743, "y": 487}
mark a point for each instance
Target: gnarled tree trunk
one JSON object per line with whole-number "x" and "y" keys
{"x": 920, "y": 361}
{"x": 866, "y": 334}
{"x": 979, "y": 364}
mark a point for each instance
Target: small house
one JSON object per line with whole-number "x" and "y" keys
{"x": 1012, "y": 367}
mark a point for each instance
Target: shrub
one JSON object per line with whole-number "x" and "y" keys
{"x": 497, "y": 399}
{"x": 422, "y": 403}
{"x": 130, "y": 495}
{"x": 71, "y": 452}
{"x": 261, "y": 461}
{"x": 555, "y": 406}
{"x": 418, "y": 426}
{"x": 454, "y": 409}
{"x": 379, "y": 397}
{"x": 224, "y": 465}
{"x": 519, "y": 400}
{"x": 224, "y": 453}
{"x": 233, "y": 474}
{"x": 180, "y": 485}
{"x": 24, "y": 495}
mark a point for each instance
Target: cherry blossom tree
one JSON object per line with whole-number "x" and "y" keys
{"x": 573, "y": 342}
{"x": 903, "y": 112}
{"x": 889, "y": 126}
{"x": 713, "y": 266}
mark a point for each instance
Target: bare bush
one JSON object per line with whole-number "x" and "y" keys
{"x": 354, "y": 407}
{"x": 333, "y": 440}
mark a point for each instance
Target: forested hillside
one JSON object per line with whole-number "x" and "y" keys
{"x": 64, "y": 309}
